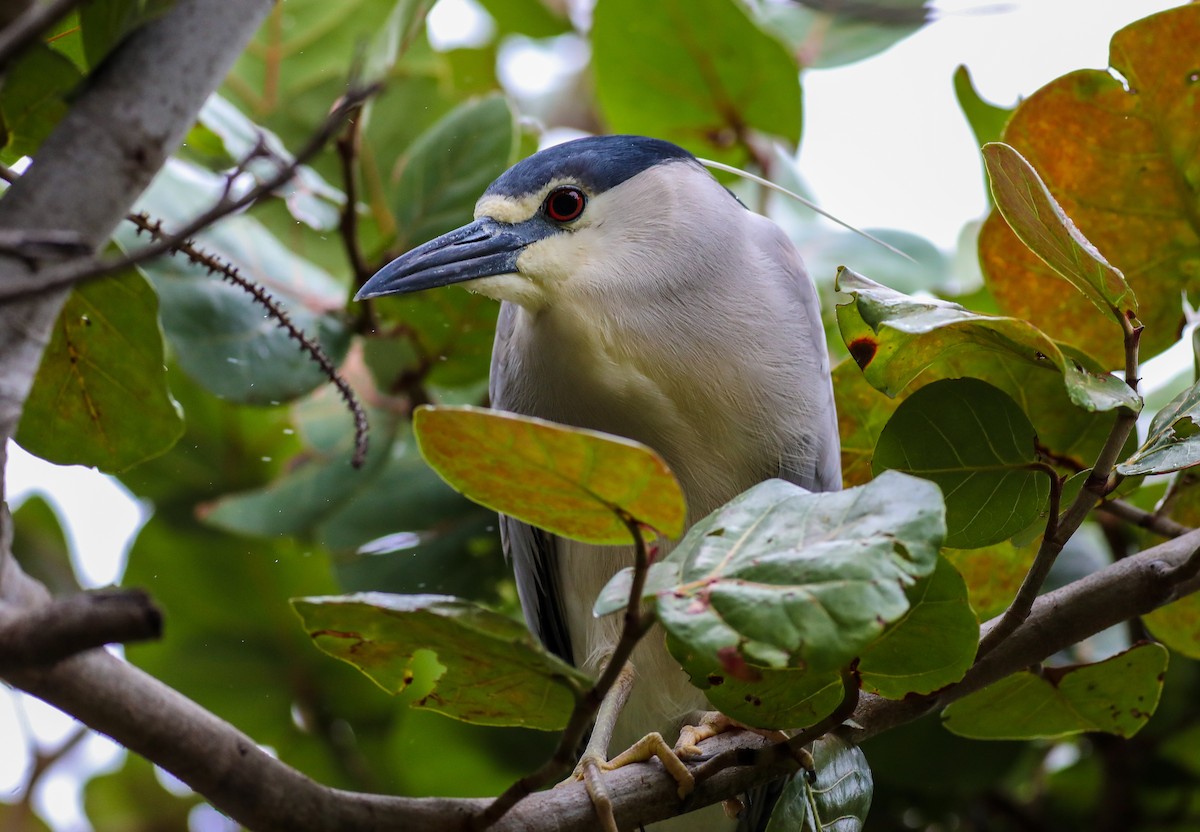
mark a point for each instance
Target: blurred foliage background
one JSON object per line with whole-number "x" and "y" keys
{"x": 242, "y": 450}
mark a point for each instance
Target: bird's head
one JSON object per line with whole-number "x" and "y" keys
{"x": 571, "y": 215}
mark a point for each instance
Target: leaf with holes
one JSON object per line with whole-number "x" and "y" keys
{"x": 893, "y": 337}
{"x": 100, "y": 396}
{"x": 492, "y": 670}
{"x": 569, "y": 481}
{"x": 1039, "y": 221}
{"x": 838, "y": 800}
{"x": 1173, "y": 441}
{"x": 1116, "y": 696}
{"x": 979, "y": 447}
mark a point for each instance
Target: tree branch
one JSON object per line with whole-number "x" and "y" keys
{"x": 74, "y": 623}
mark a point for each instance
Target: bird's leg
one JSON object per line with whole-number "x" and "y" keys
{"x": 595, "y": 759}
{"x": 710, "y": 724}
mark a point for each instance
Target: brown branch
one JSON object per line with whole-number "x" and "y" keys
{"x": 18, "y": 35}
{"x": 74, "y": 623}
{"x": 1159, "y": 524}
{"x": 76, "y": 271}
{"x": 636, "y": 624}
{"x": 263, "y": 793}
{"x": 348, "y": 145}
{"x": 263, "y": 298}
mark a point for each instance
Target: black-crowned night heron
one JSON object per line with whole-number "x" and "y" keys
{"x": 640, "y": 298}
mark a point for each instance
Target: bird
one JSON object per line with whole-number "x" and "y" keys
{"x": 639, "y": 297}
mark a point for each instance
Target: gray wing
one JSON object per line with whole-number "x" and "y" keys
{"x": 817, "y": 464}
{"x": 533, "y": 552}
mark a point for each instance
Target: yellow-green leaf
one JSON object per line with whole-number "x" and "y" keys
{"x": 569, "y": 481}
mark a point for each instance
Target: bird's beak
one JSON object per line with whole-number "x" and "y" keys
{"x": 481, "y": 249}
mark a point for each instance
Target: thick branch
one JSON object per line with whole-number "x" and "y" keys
{"x": 74, "y": 623}
{"x": 264, "y": 794}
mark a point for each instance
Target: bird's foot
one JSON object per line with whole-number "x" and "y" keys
{"x": 592, "y": 766}
{"x": 710, "y": 724}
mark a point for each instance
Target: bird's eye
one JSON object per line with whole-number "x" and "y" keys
{"x": 565, "y": 204}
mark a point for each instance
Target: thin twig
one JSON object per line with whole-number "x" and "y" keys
{"x": 33, "y": 22}
{"x": 348, "y": 144}
{"x": 637, "y": 623}
{"x": 1159, "y": 524}
{"x": 1098, "y": 485}
{"x": 263, "y": 298}
{"x": 76, "y": 271}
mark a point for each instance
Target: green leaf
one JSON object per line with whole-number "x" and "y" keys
{"x": 569, "y": 481}
{"x": 34, "y": 98}
{"x": 760, "y": 697}
{"x": 979, "y": 447}
{"x": 1116, "y": 696}
{"x": 932, "y": 646}
{"x": 829, "y": 35}
{"x": 132, "y": 799}
{"x": 104, "y": 25}
{"x": 100, "y": 397}
{"x": 783, "y": 578}
{"x": 993, "y": 574}
{"x": 986, "y": 119}
{"x": 1173, "y": 441}
{"x": 492, "y": 670}
{"x": 445, "y": 170}
{"x": 531, "y": 18}
{"x": 1042, "y": 225}
{"x": 893, "y": 337}
{"x": 1177, "y": 625}
{"x": 695, "y": 72}
{"x": 38, "y": 537}
{"x": 220, "y": 336}
{"x": 839, "y": 799}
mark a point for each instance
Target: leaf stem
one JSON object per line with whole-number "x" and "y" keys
{"x": 1060, "y": 529}
{"x": 637, "y": 623}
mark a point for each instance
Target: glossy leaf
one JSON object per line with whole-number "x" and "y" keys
{"x": 1172, "y": 442}
{"x": 783, "y": 578}
{"x": 569, "y": 481}
{"x": 931, "y": 646}
{"x": 979, "y": 447}
{"x": 100, "y": 397}
{"x": 449, "y": 166}
{"x": 493, "y": 671}
{"x": 1119, "y": 152}
{"x": 220, "y": 336}
{"x": 893, "y": 337}
{"x": 1038, "y": 220}
{"x": 697, "y": 73}
{"x": 839, "y": 799}
{"x": 1116, "y": 696}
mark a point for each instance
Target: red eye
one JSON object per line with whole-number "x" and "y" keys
{"x": 565, "y": 204}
